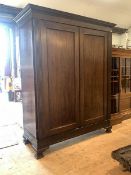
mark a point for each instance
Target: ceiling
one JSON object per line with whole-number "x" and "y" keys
{"x": 116, "y": 11}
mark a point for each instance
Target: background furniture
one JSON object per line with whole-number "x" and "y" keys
{"x": 123, "y": 156}
{"x": 121, "y": 85}
{"x": 66, "y": 65}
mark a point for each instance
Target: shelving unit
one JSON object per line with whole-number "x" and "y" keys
{"x": 115, "y": 79}
{"x": 121, "y": 85}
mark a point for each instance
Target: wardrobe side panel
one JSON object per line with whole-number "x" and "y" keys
{"x": 27, "y": 76}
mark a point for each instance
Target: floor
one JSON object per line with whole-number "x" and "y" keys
{"x": 89, "y": 154}
{"x": 10, "y": 112}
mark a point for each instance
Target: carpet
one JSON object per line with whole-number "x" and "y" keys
{"x": 8, "y": 136}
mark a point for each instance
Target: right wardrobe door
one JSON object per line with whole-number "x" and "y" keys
{"x": 93, "y": 76}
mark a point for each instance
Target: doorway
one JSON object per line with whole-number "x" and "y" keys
{"x": 11, "y": 115}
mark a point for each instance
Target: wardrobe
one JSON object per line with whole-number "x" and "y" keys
{"x": 66, "y": 70}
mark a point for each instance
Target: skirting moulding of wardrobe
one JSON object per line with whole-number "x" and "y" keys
{"x": 66, "y": 70}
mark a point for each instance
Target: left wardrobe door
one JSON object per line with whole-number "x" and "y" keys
{"x": 58, "y": 78}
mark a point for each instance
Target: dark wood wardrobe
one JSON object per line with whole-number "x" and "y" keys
{"x": 66, "y": 70}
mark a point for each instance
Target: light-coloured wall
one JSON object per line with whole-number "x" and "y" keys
{"x": 129, "y": 37}
{"x": 116, "y": 39}
{"x": 121, "y": 39}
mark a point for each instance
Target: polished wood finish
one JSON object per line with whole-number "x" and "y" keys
{"x": 121, "y": 97}
{"x": 60, "y": 53}
{"x": 7, "y": 13}
{"x": 9, "y": 10}
{"x": 65, "y": 61}
{"x": 93, "y": 74}
{"x": 123, "y": 53}
{"x": 27, "y": 77}
{"x": 43, "y": 11}
{"x": 119, "y": 30}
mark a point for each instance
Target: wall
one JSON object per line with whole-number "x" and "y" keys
{"x": 129, "y": 37}
{"x": 123, "y": 39}
{"x": 116, "y": 39}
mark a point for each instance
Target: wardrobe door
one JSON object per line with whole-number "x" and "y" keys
{"x": 93, "y": 76}
{"x": 59, "y": 78}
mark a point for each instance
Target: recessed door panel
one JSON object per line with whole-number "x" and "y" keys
{"x": 60, "y": 70}
{"x": 93, "y": 67}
